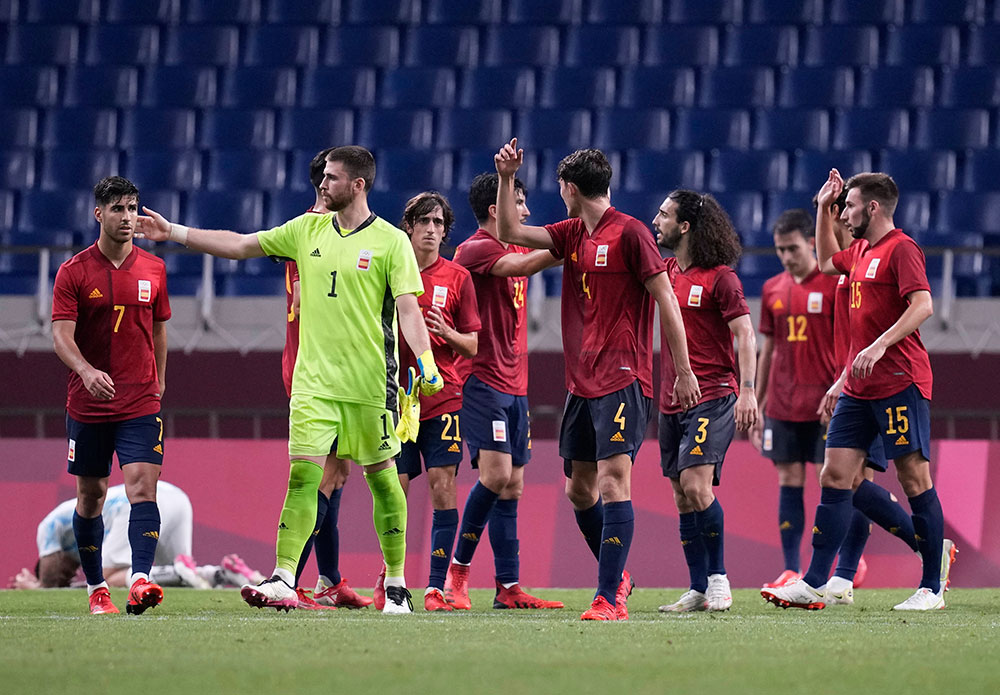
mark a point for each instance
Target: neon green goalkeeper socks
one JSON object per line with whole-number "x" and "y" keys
{"x": 298, "y": 516}
{"x": 389, "y": 505}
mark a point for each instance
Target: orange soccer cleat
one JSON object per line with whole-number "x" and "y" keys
{"x": 143, "y": 594}
{"x": 456, "y": 587}
{"x": 100, "y": 602}
{"x": 600, "y": 609}
{"x": 515, "y": 597}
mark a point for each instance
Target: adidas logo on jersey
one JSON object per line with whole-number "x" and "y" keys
{"x": 394, "y": 531}
{"x": 696, "y": 451}
{"x": 614, "y": 540}
{"x": 158, "y": 449}
{"x": 384, "y": 447}
{"x": 617, "y": 437}
{"x": 778, "y": 304}
{"x": 439, "y": 552}
{"x": 902, "y": 441}
{"x": 315, "y": 253}
{"x": 95, "y": 294}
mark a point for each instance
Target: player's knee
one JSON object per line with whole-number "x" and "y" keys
{"x": 580, "y": 496}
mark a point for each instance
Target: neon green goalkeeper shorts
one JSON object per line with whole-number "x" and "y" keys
{"x": 319, "y": 426}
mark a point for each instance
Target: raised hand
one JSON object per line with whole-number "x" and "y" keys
{"x": 830, "y": 190}
{"x": 509, "y": 159}
{"x": 152, "y": 226}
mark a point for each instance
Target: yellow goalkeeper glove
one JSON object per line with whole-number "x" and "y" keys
{"x": 430, "y": 379}
{"x": 409, "y": 410}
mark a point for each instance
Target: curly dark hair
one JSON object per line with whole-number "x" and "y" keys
{"x": 712, "y": 241}
{"x": 113, "y": 188}
{"x": 423, "y": 204}
{"x": 589, "y": 170}
{"x": 483, "y": 193}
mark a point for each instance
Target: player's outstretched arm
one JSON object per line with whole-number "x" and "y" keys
{"x": 746, "y": 345}
{"x": 516, "y": 265}
{"x": 921, "y": 308}
{"x": 686, "y": 390}
{"x": 216, "y": 242}
{"x": 827, "y": 243}
{"x": 98, "y": 383}
{"x": 509, "y": 227}
{"x": 411, "y": 323}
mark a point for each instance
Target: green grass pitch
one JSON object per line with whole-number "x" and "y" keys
{"x": 210, "y": 642}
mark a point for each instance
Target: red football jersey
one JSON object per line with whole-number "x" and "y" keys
{"x": 448, "y": 286}
{"x": 291, "y": 349}
{"x": 709, "y": 298}
{"x": 880, "y": 277}
{"x": 607, "y": 314}
{"x": 841, "y": 318}
{"x": 114, "y": 310}
{"x": 799, "y": 317}
{"x": 502, "y": 360}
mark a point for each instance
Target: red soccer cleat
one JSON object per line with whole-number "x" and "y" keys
{"x": 456, "y": 587}
{"x": 600, "y": 609}
{"x": 784, "y": 579}
{"x": 341, "y": 595}
{"x": 515, "y": 597}
{"x": 143, "y": 594}
{"x": 307, "y": 603}
{"x": 621, "y": 597}
{"x": 378, "y": 594}
{"x": 434, "y": 600}
{"x": 100, "y": 602}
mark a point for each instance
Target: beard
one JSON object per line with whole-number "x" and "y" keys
{"x": 862, "y": 229}
{"x": 669, "y": 239}
{"x": 336, "y": 203}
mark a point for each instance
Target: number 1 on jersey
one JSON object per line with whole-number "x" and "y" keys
{"x": 333, "y": 284}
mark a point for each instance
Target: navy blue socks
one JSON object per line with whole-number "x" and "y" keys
{"x": 478, "y": 508}
{"x": 694, "y": 551}
{"x": 503, "y": 540}
{"x": 327, "y": 542}
{"x": 591, "y": 522}
{"x": 791, "y": 520}
{"x": 853, "y": 546}
{"x": 877, "y": 504}
{"x": 616, "y": 539}
{"x": 443, "y": 528}
{"x": 322, "y": 504}
{"x": 712, "y": 525}
{"x": 928, "y": 523}
{"x": 833, "y": 516}
{"x": 89, "y": 535}
{"x": 143, "y": 534}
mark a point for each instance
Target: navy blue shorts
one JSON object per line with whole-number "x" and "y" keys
{"x": 793, "y": 442}
{"x": 697, "y": 437}
{"x": 595, "y": 429}
{"x": 92, "y": 444}
{"x": 495, "y": 421}
{"x": 439, "y": 442}
{"x": 902, "y": 423}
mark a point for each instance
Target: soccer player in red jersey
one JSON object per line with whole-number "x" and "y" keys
{"x": 694, "y": 441}
{"x": 613, "y": 274}
{"x": 452, "y": 315}
{"x": 888, "y": 389}
{"x": 495, "y": 418}
{"x": 109, "y": 308}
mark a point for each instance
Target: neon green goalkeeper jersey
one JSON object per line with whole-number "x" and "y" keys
{"x": 347, "y": 325}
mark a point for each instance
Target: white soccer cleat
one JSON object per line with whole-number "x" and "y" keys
{"x": 839, "y": 592}
{"x": 718, "y": 597}
{"x": 690, "y": 601}
{"x": 948, "y": 553}
{"x": 270, "y": 593}
{"x": 923, "y": 600}
{"x": 397, "y": 600}
{"x": 795, "y": 595}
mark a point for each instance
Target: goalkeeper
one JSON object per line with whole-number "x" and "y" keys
{"x": 356, "y": 270}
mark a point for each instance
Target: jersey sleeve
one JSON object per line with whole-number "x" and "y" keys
{"x": 910, "y": 268}
{"x": 402, "y": 272}
{"x": 843, "y": 260}
{"x": 559, "y": 232}
{"x": 280, "y": 243}
{"x": 728, "y": 294}
{"x": 161, "y": 307}
{"x": 64, "y": 295}
{"x": 641, "y": 254}
{"x": 479, "y": 256}
{"x": 766, "y": 326}
{"x": 467, "y": 318}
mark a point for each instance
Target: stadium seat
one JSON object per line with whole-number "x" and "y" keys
{"x": 382, "y": 12}
{"x": 923, "y": 44}
{"x": 867, "y": 12}
{"x": 164, "y": 169}
{"x": 202, "y": 45}
{"x": 146, "y": 12}
{"x": 791, "y": 129}
{"x": 981, "y": 167}
{"x": 462, "y": 128}
{"x": 641, "y": 205}
{"x": 442, "y": 46}
{"x": 474, "y": 161}
{"x": 285, "y": 205}
{"x": 231, "y": 170}
{"x": 554, "y": 128}
{"x": 241, "y": 211}
{"x": 705, "y": 12}
{"x": 223, "y": 11}
{"x": 841, "y": 45}
{"x": 913, "y": 210}
{"x": 706, "y": 129}
{"x": 42, "y": 44}
{"x": 954, "y": 12}
{"x": 871, "y": 129}
{"x": 18, "y": 128}
{"x": 961, "y": 211}
{"x": 184, "y": 264}
{"x": 167, "y": 203}
{"x": 251, "y": 285}
{"x": 405, "y": 168}
{"x": 389, "y": 205}
{"x": 755, "y": 269}
{"x": 469, "y": 12}
{"x": 74, "y": 128}
{"x": 180, "y": 86}
{"x": 318, "y": 12}
{"x": 17, "y": 172}
{"x": 799, "y": 12}
{"x": 664, "y": 171}
{"x": 6, "y": 209}
{"x": 65, "y": 169}
{"x": 625, "y": 129}
{"x": 522, "y": 45}
{"x": 777, "y": 203}
{"x": 737, "y": 87}
{"x": 62, "y": 12}
{"x": 604, "y": 12}
{"x": 896, "y": 86}
{"x": 67, "y": 210}
{"x": 22, "y": 85}
{"x": 570, "y": 88}
{"x": 103, "y": 86}
{"x": 984, "y": 45}
{"x": 657, "y": 87}
{"x": 395, "y": 128}
{"x": 237, "y": 129}
{"x": 512, "y": 88}
{"x": 921, "y": 170}
{"x": 158, "y": 128}
{"x": 688, "y": 46}
{"x": 549, "y": 164}
{"x": 418, "y": 88}
{"x": 970, "y": 87}
{"x": 314, "y": 129}
{"x": 333, "y": 87}
{"x": 747, "y": 170}
{"x": 109, "y": 44}
{"x": 745, "y": 209}
{"x": 282, "y": 46}
{"x": 262, "y": 87}
{"x": 952, "y": 129}
{"x": 602, "y": 46}
{"x": 297, "y": 181}
{"x": 552, "y": 12}
{"x": 811, "y": 167}
{"x": 761, "y": 45}
{"x": 362, "y": 46}
{"x": 817, "y": 87}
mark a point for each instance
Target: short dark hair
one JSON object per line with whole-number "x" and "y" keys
{"x": 589, "y": 170}
{"x": 112, "y": 188}
{"x": 838, "y": 203}
{"x": 794, "y": 220}
{"x": 316, "y": 167}
{"x": 423, "y": 204}
{"x": 876, "y": 186}
{"x": 483, "y": 193}
{"x": 359, "y": 162}
{"x": 712, "y": 239}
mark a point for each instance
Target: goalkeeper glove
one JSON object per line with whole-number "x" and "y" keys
{"x": 409, "y": 410}
{"x": 430, "y": 379}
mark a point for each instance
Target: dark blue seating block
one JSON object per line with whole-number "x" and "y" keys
{"x": 648, "y": 170}
{"x": 921, "y": 170}
{"x": 842, "y": 45}
{"x": 180, "y": 263}
{"x": 777, "y": 203}
{"x": 913, "y": 210}
{"x": 547, "y": 207}
{"x": 566, "y": 87}
{"x": 282, "y": 46}
{"x": 202, "y": 45}
{"x": 286, "y": 204}
{"x": 64, "y": 11}
{"x": 689, "y": 46}
{"x": 165, "y": 169}
{"x": 812, "y": 168}
{"x": 896, "y": 86}
{"x": 406, "y": 168}
{"x": 952, "y": 129}
{"x": 871, "y": 129}
{"x": 43, "y": 44}
{"x": 382, "y": 12}
{"x": 158, "y": 128}
{"x": 792, "y": 129}
{"x": 23, "y": 85}
{"x": 761, "y": 45}
{"x": 536, "y": 46}
{"x": 146, "y": 12}
{"x": 737, "y": 87}
{"x": 816, "y": 87}
{"x": 470, "y": 12}
{"x": 102, "y": 86}
{"x": 549, "y": 165}
{"x": 513, "y": 88}
{"x": 981, "y": 167}
{"x": 362, "y": 46}
{"x": 553, "y": 12}
{"x": 389, "y": 205}
{"x": 241, "y": 211}
{"x": 641, "y": 205}
{"x": 237, "y": 128}
{"x": 755, "y": 269}
{"x": 223, "y": 11}
{"x": 462, "y": 128}
{"x": 644, "y": 87}
{"x": 602, "y": 12}
{"x": 183, "y": 285}
{"x": 923, "y": 44}
{"x": 554, "y": 128}
{"x": 18, "y": 128}
{"x": 298, "y": 182}
{"x": 315, "y": 129}
{"x": 418, "y": 88}
{"x": 17, "y": 171}
{"x": 970, "y": 87}
{"x": 318, "y": 12}
{"x": 246, "y": 169}
{"x": 442, "y": 46}
{"x": 62, "y": 169}
{"x": 706, "y": 129}
{"x": 785, "y": 11}
{"x": 396, "y": 128}
{"x": 109, "y": 44}
{"x": 339, "y": 87}
{"x": 953, "y": 12}
{"x": 965, "y": 212}
{"x": 180, "y": 86}
{"x": 705, "y": 12}
{"x": 167, "y": 203}
{"x": 67, "y": 210}
{"x": 984, "y": 45}
{"x": 747, "y": 170}
{"x": 599, "y": 46}
{"x": 745, "y": 209}
{"x": 867, "y": 12}
{"x": 6, "y": 209}
{"x": 18, "y": 284}
{"x": 479, "y": 160}
{"x": 251, "y": 286}
{"x": 623, "y": 129}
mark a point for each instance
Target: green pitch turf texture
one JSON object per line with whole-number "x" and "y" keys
{"x": 210, "y": 642}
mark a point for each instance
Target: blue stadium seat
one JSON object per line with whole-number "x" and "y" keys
{"x": 811, "y": 167}
{"x": 202, "y": 45}
{"x": 923, "y": 44}
{"x": 626, "y": 129}
{"x": 102, "y": 86}
{"x": 70, "y": 168}
{"x": 285, "y": 205}
{"x": 522, "y": 45}
{"x": 913, "y": 210}
{"x": 442, "y": 46}
{"x": 792, "y": 129}
{"x": 921, "y": 170}
{"x": 548, "y": 164}
{"x": 241, "y": 211}
{"x": 871, "y": 129}
{"x": 164, "y": 169}
{"x": 184, "y": 285}
{"x": 230, "y": 170}
{"x": 761, "y": 45}
{"x": 952, "y": 129}
{"x": 17, "y": 171}
{"x": 238, "y": 285}
{"x": 474, "y": 161}
{"x": 262, "y": 87}
{"x": 603, "y": 12}
{"x": 745, "y": 209}
{"x": 315, "y": 129}
{"x": 22, "y": 85}
{"x": 589, "y": 88}
{"x": 962, "y": 211}
{"x": 318, "y": 12}
{"x": 396, "y": 128}
{"x": 237, "y": 129}
{"x": 706, "y": 129}
{"x": 333, "y": 87}
{"x": 600, "y": 46}
{"x": 382, "y": 12}
{"x": 953, "y": 12}
{"x": 298, "y": 174}
{"x": 146, "y": 12}
{"x": 554, "y": 128}
{"x": 418, "y": 88}
{"x": 362, "y": 46}
{"x": 984, "y": 45}
{"x": 817, "y": 87}
{"x": 405, "y": 168}
{"x": 755, "y": 269}
{"x": 737, "y": 87}
{"x": 648, "y": 86}
{"x": 6, "y": 209}
{"x": 896, "y": 86}
{"x": 223, "y": 11}
{"x": 158, "y": 128}
{"x": 180, "y": 86}
{"x": 683, "y": 46}
{"x": 50, "y": 236}
{"x": 705, "y": 12}
{"x": 74, "y": 128}
{"x": 552, "y": 12}
{"x": 167, "y": 203}
{"x": 62, "y": 12}
{"x": 18, "y": 128}
{"x": 184, "y": 264}
{"x": 748, "y": 170}
{"x": 664, "y": 171}
{"x": 463, "y": 128}
{"x": 867, "y": 12}
{"x": 841, "y": 45}
{"x": 785, "y": 12}
{"x": 42, "y": 44}
{"x": 48, "y": 212}
{"x": 469, "y": 12}
{"x": 777, "y": 203}
{"x": 109, "y": 44}
{"x": 282, "y": 46}
{"x": 970, "y": 87}
{"x": 981, "y": 167}
{"x": 641, "y": 205}
{"x": 512, "y": 88}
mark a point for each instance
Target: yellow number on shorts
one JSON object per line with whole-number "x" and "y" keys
{"x": 446, "y": 434}
{"x": 120, "y": 308}
{"x": 796, "y": 329}
{"x": 902, "y": 422}
{"x": 160, "y": 420}
{"x": 619, "y": 418}
{"x": 702, "y": 430}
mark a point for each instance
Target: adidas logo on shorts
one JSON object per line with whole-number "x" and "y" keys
{"x": 617, "y": 437}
